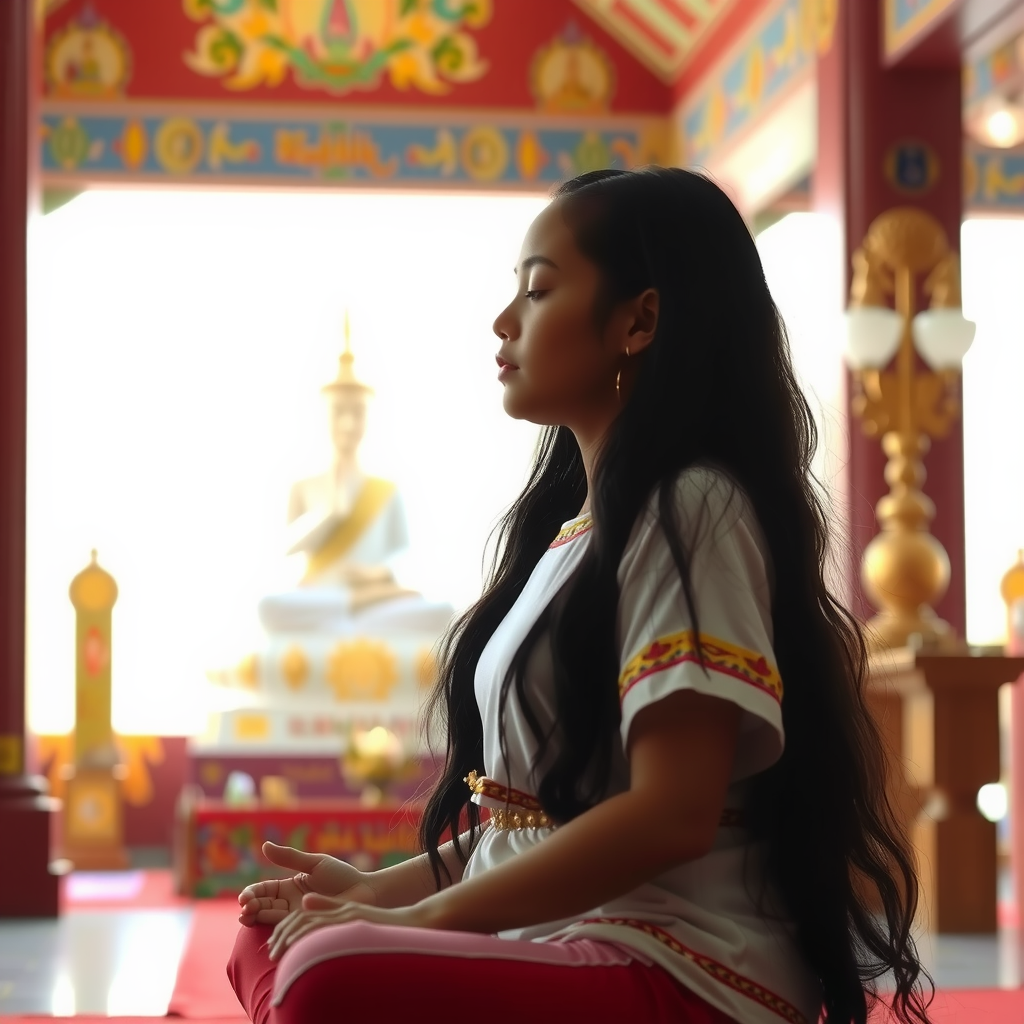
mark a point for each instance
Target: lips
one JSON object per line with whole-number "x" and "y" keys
{"x": 504, "y": 363}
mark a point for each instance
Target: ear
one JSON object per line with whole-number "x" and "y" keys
{"x": 644, "y": 314}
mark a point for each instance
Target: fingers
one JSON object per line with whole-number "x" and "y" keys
{"x": 262, "y": 917}
{"x": 252, "y": 892}
{"x": 289, "y": 857}
{"x": 260, "y": 890}
{"x": 279, "y": 937}
{"x": 317, "y": 901}
{"x": 265, "y": 909}
{"x": 299, "y": 923}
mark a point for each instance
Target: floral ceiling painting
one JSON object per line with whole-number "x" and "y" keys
{"x": 339, "y": 45}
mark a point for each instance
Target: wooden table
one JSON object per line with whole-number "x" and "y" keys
{"x": 939, "y": 714}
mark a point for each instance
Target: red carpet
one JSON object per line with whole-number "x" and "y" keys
{"x": 202, "y": 990}
{"x": 972, "y": 1006}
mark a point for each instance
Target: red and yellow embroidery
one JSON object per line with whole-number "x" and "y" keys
{"x": 572, "y": 531}
{"x": 480, "y": 785}
{"x": 719, "y": 656}
{"x": 726, "y": 975}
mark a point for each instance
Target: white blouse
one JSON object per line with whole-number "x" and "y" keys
{"x": 697, "y": 920}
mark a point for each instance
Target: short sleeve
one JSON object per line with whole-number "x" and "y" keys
{"x": 729, "y": 573}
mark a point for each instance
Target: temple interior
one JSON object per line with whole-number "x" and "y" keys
{"x": 254, "y": 447}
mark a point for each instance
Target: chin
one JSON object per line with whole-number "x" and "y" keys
{"x": 518, "y": 409}
{"x": 515, "y": 406}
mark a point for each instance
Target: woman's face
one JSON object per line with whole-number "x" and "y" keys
{"x": 559, "y": 369}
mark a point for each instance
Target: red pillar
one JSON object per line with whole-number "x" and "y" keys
{"x": 30, "y": 887}
{"x": 866, "y": 111}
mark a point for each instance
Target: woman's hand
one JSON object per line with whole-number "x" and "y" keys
{"x": 272, "y": 901}
{"x": 320, "y": 911}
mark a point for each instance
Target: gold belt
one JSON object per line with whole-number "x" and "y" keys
{"x": 522, "y": 810}
{"x": 509, "y": 820}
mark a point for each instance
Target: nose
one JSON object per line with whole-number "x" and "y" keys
{"x": 504, "y": 325}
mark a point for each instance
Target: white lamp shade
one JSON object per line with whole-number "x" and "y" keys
{"x": 872, "y": 336}
{"x": 943, "y": 336}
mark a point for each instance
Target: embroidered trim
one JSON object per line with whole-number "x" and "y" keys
{"x": 726, "y": 975}
{"x": 719, "y": 655}
{"x": 572, "y": 531}
{"x": 480, "y": 785}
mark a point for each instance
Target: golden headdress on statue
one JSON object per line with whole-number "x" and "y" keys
{"x": 346, "y": 375}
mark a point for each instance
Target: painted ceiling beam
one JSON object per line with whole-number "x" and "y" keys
{"x": 945, "y": 33}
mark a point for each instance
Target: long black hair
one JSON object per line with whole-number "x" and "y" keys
{"x": 716, "y": 385}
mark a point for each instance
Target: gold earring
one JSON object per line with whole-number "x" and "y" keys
{"x": 618, "y": 381}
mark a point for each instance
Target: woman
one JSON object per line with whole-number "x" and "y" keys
{"x": 669, "y": 839}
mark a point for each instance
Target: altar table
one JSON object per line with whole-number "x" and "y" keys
{"x": 939, "y": 714}
{"x": 218, "y": 846}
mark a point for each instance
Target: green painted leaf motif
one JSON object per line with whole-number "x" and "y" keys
{"x": 226, "y": 50}
{"x": 407, "y": 7}
{"x": 227, "y": 6}
{"x": 448, "y": 55}
{"x": 443, "y": 10}
{"x": 269, "y": 5}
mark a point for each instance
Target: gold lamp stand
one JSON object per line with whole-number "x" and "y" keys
{"x": 905, "y": 570}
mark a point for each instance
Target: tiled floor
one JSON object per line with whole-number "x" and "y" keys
{"x": 123, "y": 963}
{"x": 119, "y": 963}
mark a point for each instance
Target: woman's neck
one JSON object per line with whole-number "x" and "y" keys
{"x": 590, "y": 441}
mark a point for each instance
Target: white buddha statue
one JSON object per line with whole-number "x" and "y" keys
{"x": 350, "y": 527}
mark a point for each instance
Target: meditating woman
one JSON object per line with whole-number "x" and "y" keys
{"x": 656, "y": 700}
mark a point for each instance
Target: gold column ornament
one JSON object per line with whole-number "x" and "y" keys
{"x": 905, "y": 570}
{"x": 93, "y": 810}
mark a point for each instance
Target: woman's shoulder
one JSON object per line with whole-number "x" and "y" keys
{"x": 703, "y": 492}
{"x": 710, "y": 508}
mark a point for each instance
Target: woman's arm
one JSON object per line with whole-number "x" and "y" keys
{"x": 411, "y": 881}
{"x": 681, "y": 755}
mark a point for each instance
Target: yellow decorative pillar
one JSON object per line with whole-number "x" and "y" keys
{"x": 93, "y": 812}
{"x": 905, "y": 570}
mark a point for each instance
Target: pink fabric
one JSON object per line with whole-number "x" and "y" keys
{"x": 363, "y": 971}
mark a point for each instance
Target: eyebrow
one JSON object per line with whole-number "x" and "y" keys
{"x": 532, "y": 261}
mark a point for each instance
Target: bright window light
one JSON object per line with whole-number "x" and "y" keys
{"x": 992, "y": 255}
{"x": 801, "y": 257}
{"x": 179, "y": 342}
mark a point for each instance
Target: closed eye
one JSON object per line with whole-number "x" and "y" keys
{"x": 536, "y": 293}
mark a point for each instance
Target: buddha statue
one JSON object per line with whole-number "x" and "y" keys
{"x": 350, "y": 527}
{"x": 348, "y": 648}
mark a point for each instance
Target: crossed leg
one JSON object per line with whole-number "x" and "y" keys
{"x": 362, "y": 971}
